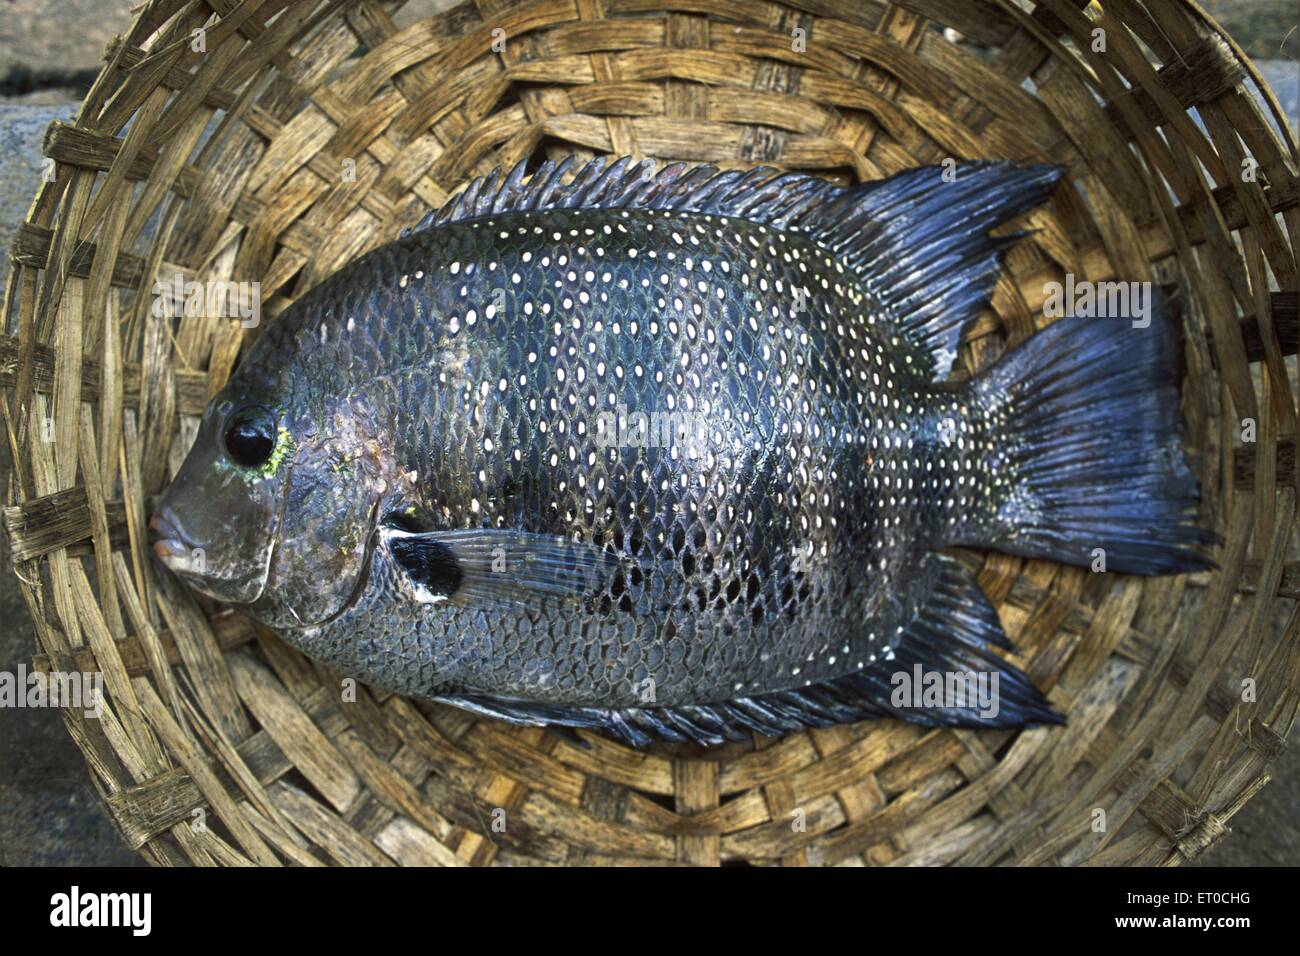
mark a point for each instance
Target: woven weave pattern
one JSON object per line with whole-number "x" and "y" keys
{"x": 288, "y": 137}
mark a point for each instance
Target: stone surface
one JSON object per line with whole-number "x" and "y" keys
{"x": 22, "y": 131}
{"x": 50, "y": 814}
{"x": 46, "y": 37}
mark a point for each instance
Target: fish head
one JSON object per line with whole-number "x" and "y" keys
{"x": 274, "y": 506}
{"x": 216, "y": 524}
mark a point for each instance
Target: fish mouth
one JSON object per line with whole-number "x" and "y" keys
{"x": 170, "y": 544}
{"x": 184, "y": 556}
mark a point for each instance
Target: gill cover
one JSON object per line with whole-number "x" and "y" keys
{"x": 332, "y": 489}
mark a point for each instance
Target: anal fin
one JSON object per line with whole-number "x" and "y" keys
{"x": 940, "y": 672}
{"x": 958, "y": 605}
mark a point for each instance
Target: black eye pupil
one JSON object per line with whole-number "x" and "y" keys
{"x": 250, "y": 442}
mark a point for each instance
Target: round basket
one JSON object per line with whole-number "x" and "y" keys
{"x": 270, "y": 142}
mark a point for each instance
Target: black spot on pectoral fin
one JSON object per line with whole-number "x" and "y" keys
{"x": 492, "y": 566}
{"x": 431, "y": 565}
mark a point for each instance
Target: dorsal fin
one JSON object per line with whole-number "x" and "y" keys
{"x": 919, "y": 241}
{"x": 762, "y": 194}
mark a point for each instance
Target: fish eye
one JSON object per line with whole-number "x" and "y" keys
{"x": 250, "y": 437}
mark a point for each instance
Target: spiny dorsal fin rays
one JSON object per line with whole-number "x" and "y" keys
{"x": 763, "y": 193}
{"x": 919, "y": 241}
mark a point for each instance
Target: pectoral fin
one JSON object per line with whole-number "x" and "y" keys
{"x": 492, "y": 566}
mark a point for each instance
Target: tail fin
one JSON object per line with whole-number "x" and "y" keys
{"x": 1089, "y": 437}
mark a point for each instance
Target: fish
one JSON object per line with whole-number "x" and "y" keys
{"x": 678, "y": 454}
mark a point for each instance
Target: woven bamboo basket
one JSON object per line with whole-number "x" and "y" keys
{"x": 286, "y": 138}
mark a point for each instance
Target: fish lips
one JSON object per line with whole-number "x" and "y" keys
{"x": 187, "y": 557}
{"x": 169, "y": 543}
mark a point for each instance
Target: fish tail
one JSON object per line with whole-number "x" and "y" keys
{"x": 1084, "y": 424}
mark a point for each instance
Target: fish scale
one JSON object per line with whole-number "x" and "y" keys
{"x": 481, "y": 503}
{"x": 655, "y": 315}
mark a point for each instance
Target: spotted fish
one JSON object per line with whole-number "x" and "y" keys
{"x": 677, "y": 454}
